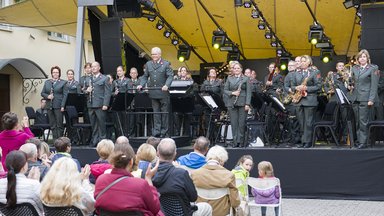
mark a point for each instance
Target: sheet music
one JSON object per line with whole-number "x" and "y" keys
{"x": 210, "y": 101}
{"x": 177, "y": 92}
{"x": 342, "y": 97}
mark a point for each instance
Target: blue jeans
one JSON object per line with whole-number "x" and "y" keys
{"x": 264, "y": 211}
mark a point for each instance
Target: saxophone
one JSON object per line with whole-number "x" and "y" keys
{"x": 331, "y": 84}
{"x": 300, "y": 94}
{"x": 289, "y": 96}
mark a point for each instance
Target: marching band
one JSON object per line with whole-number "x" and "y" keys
{"x": 301, "y": 90}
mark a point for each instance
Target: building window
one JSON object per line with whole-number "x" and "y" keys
{"x": 54, "y": 36}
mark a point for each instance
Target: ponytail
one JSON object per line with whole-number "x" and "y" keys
{"x": 11, "y": 189}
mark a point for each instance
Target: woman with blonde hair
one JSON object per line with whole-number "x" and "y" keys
{"x": 146, "y": 154}
{"x": 65, "y": 186}
{"x": 104, "y": 149}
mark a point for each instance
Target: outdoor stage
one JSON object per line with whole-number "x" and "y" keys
{"x": 332, "y": 173}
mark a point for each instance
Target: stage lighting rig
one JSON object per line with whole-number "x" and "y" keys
{"x": 268, "y": 34}
{"x": 175, "y": 40}
{"x": 218, "y": 39}
{"x": 159, "y": 25}
{"x": 183, "y": 53}
{"x": 177, "y": 3}
{"x": 233, "y": 56}
{"x": 283, "y": 61}
{"x": 238, "y": 3}
{"x": 274, "y": 42}
{"x": 315, "y": 33}
{"x": 247, "y": 4}
{"x": 146, "y": 3}
{"x": 326, "y": 54}
{"x": 167, "y": 33}
{"x": 255, "y": 14}
{"x": 261, "y": 24}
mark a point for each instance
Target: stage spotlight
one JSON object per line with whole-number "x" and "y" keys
{"x": 183, "y": 53}
{"x": 284, "y": 59}
{"x": 151, "y": 17}
{"x": 238, "y": 3}
{"x": 218, "y": 39}
{"x": 160, "y": 25}
{"x": 324, "y": 43}
{"x": 233, "y": 56}
{"x": 247, "y": 4}
{"x": 175, "y": 40}
{"x": 358, "y": 13}
{"x": 227, "y": 46}
{"x": 261, "y": 25}
{"x": 268, "y": 34}
{"x": 177, "y": 3}
{"x": 315, "y": 34}
{"x": 351, "y": 3}
{"x": 255, "y": 14}
{"x": 274, "y": 42}
{"x": 279, "y": 51}
{"x": 146, "y": 3}
{"x": 326, "y": 54}
{"x": 167, "y": 33}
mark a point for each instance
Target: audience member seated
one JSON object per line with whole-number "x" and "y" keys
{"x": 13, "y": 135}
{"x": 64, "y": 186}
{"x": 31, "y": 151}
{"x": 268, "y": 195}
{"x": 43, "y": 153}
{"x": 63, "y": 149}
{"x": 122, "y": 140}
{"x": 214, "y": 175}
{"x": 153, "y": 141}
{"x": 126, "y": 193}
{"x": 17, "y": 188}
{"x": 104, "y": 149}
{"x": 146, "y": 154}
{"x": 196, "y": 159}
{"x": 170, "y": 179}
{"x": 3, "y": 174}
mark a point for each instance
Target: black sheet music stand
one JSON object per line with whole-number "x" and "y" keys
{"x": 143, "y": 102}
{"x": 120, "y": 103}
{"x": 77, "y": 100}
{"x": 350, "y": 118}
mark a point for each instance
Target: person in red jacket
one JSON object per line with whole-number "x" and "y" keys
{"x": 130, "y": 193}
{"x": 13, "y": 135}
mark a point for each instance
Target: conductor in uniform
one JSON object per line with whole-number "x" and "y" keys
{"x": 158, "y": 75}
{"x": 99, "y": 94}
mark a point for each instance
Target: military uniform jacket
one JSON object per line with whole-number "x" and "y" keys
{"x": 73, "y": 87}
{"x": 84, "y": 81}
{"x": 59, "y": 93}
{"x": 214, "y": 86}
{"x": 232, "y": 84}
{"x": 255, "y": 85}
{"x": 313, "y": 85}
{"x": 157, "y": 74}
{"x": 132, "y": 84}
{"x": 337, "y": 83}
{"x": 288, "y": 82}
{"x": 366, "y": 83}
{"x": 121, "y": 85}
{"x": 101, "y": 93}
{"x": 277, "y": 83}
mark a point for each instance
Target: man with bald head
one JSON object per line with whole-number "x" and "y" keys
{"x": 122, "y": 140}
{"x": 170, "y": 179}
{"x": 158, "y": 75}
{"x": 196, "y": 159}
{"x": 99, "y": 92}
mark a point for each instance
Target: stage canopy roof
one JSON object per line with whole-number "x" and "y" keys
{"x": 290, "y": 19}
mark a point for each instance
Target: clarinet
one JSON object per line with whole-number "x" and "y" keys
{"x": 238, "y": 89}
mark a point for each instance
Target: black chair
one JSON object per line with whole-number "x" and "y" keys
{"x": 62, "y": 211}
{"x": 21, "y": 209}
{"x": 103, "y": 212}
{"x": 37, "y": 128}
{"x": 73, "y": 122}
{"x": 371, "y": 125}
{"x": 329, "y": 120}
{"x": 173, "y": 205}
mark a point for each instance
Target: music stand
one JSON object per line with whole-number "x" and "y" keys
{"x": 120, "y": 103}
{"x": 350, "y": 118}
{"x": 215, "y": 103}
{"x": 76, "y": 100}
{"x": 143, "y": 102}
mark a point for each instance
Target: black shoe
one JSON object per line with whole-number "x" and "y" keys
{"x": 301, "y": 145}
{"x": 308, "y": 145}
{"x": 362, "y": 146}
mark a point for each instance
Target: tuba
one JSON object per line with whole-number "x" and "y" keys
{"x": 300, "y": 94}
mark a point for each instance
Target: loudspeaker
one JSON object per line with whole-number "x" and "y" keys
{"x": 372, "y": 31}
{"x": 125, "y": 9}
{"x": 110, "y": 34}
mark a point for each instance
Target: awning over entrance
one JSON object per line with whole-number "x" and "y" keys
{"x": 26, "y": 68}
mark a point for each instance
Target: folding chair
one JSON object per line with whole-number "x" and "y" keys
{"x": 21, "y": 209}
{"x": 214, "y": 194}
{"x": 263, "y": 185}
{"x": 103, "y": 212}
{"x": 62, "y": 211}
{"x": 173, "y": 205}
{"x": 37, "y": 128}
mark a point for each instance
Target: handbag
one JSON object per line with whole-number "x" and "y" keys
{"x": 110, "y": 185}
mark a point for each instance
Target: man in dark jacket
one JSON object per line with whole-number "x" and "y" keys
{"x": 170, "y": 179}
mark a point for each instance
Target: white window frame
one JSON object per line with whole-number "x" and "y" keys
{"x": 60, "y": 37}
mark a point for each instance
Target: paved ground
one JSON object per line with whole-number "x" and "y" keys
{"x": 315, "y": 207}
